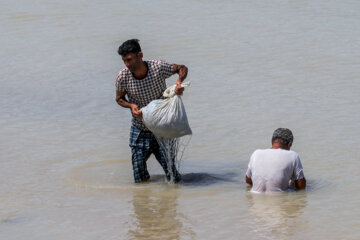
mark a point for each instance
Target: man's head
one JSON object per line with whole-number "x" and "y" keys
{"x": 131, "y": 54}
{"x": 284, "y": 137}
{"x": 129, "y": 46}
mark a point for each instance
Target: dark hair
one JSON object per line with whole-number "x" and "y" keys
{"x": 129, "y": 46}
{"x": 283, "y": 135}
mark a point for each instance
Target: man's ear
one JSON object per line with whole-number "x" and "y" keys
{"x": 289, "y": 145}
{"x": 140, "y": 54}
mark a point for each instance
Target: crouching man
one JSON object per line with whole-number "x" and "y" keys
{"x": 270, "y": 170}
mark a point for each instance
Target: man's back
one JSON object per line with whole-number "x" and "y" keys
{"x": 271, "y": 169}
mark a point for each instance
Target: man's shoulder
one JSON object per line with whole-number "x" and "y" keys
{"x": 276, "y": 151}
{"x": 259, "y": 151}
{"x": 154, "y": 61}
{"x": 123, "y": 74}
{"x": 293, "y": 154}
{"x": 157, "y": 63}
{"x": 256, "y": 153}
{"x": 289, "y": 155}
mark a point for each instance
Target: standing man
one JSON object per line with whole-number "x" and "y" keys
{"x": 270, "y": 170}
{"x": 136, "y": 86}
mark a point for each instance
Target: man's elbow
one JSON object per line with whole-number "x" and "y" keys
{"x": 118, "y": 100}
{"x": 184, "y": 68}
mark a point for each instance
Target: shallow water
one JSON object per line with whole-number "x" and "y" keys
{"x": 253, "y": 66}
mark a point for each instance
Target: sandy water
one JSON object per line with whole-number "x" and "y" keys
{"x": 254, "y": 66}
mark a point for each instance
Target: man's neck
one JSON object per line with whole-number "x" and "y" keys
{"x": 277, "y": 145}
{"x": 141, "y": 72}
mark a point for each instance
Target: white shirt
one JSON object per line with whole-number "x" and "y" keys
{"x": 271, "y": 169}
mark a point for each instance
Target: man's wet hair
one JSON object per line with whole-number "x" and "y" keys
{"x": 129, "y": 46}
{"x": 282, "y": 135}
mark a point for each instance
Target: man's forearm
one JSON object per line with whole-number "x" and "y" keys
{"x": 122, "y": 102}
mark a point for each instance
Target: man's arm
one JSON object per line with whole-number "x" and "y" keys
{"x": 248, "y": 180}
{"x": 121, "y": 100}
{"x": 182, "y": 70}
{"x": 298, "y": 174}
{"x": 300, "y": 184}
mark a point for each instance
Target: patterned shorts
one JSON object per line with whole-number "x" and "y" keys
{"x": 143, "y": 144}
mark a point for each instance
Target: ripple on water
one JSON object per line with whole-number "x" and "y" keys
{"x": 100, "y": 175}
{"x": 316, "y": 185}
{"x": 110, "y": 174}
{"x": 12, "y": 218}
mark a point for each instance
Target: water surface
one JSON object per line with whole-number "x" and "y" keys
{"x": 254, "y": 66}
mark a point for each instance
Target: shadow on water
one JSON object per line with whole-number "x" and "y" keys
{"x": 205, "y": 179}
{"x": 201, "y": 179}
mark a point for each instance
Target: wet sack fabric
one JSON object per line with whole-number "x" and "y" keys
{"x": 167, "y": 118}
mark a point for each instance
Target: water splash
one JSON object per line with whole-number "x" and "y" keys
{"x": 173, "y": 149}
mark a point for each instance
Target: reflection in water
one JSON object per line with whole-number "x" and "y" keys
{"x": 277, "y": 213}
{"x": 156, "y": 216}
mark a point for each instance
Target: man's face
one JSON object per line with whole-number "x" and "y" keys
{"x": 132, "y": 61}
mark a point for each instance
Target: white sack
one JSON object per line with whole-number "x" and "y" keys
{"x": 167, "y": 118}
